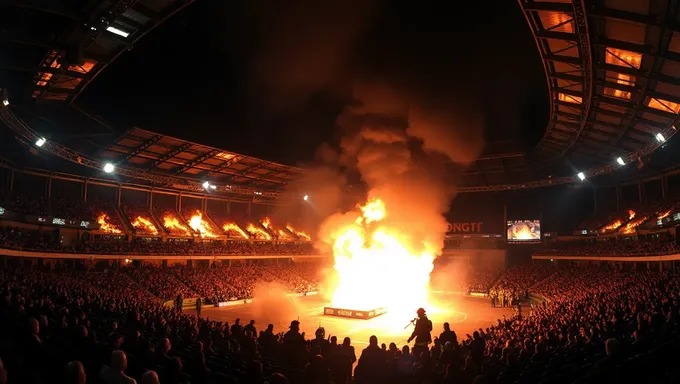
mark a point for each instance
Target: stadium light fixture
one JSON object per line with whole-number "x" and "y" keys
{"x": 206, "y": 185}
{"x": 109, "y": 168}
{"x": 5, "y": 102}
{"x": 620, "y": 161}
{"x": 305, "y": 198}
{"x": 40, "y": 142}
{"x": 660, "y": 138}
{"x": 213, "y": 187}
{"x": 581, "y": 176}
{"x": 117, "y": 31}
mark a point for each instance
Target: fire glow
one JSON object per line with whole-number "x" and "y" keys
{"x": 267, "y": 223}
{"x": 233, "y": 228}
{"x": 377, "y": 264}
{"x": 201, "y": 226}
{"x": 664, "y": 215}
{"x": 258, "y": 233}
{"x": 300, "y": 234}
{"x": 612, "y": 226}
{"x": 144, "y": 225}
{"x": 172, "y": 224}
{"x": 105, "y": 226}
{"x": 632, "y": 225}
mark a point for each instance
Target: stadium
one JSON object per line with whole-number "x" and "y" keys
{"x": 419, "y": 239}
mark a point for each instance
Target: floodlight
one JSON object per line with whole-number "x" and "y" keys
{"x": 109, "y": 168}
{"x": 5, "y": 102}
{"x": 40, "y": 142}
{"x": 620, "y": 161}
{"x": 305, "y": 198}
{"x": 206, "y": 185}
{"x": 581, "y": 176}
{"x": 660, "y": 138}
{"x": 117, "y": 31}
{"x": 213, "y": 187}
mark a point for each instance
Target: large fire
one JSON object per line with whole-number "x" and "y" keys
{"x": 522, "y": 231}
{"x": 612, "y": 226}
{"x": 145, "y": 225}
{"x": 300, "y": 234}
{"x": 172, "y": 224}
{"x": 631, "y": 214}
{"x": 233, "y": 228}
{"x": 259, "y": 233}
{"x": 632, "y": 225}
{"x": 201, "y": 226}
{"x": 267, "y": 223}
{"x": 379, "y": 265}
{"x": 105, "y": 226}
{"x": 664, "y": 215}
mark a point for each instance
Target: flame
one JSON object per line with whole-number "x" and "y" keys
{"x": 197, "y": 223}
{"x": 631, "y": 214}
{"x": 105, "y": 226}
{"x": 145, "y": 224}
{"x": 172, "y": 224}
{"x": 298, "y": 233}
{"x": 521, "y": 231}
{"x": 664, "y": 215}
{"x": 630, "y": 227}
{"x": 266, "y": 222}
{"x": 234, "y": 228}
{"x": 612, "y": 226}
{"x": 258, "y": 232}
{"x": 378, "y": 265}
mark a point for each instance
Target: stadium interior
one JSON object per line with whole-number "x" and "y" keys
{"x": 128, "y": 254}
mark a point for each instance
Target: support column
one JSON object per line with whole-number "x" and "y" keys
{"x": 85, "y": 191}
{"x": 228, "y": 208}
{"x": 49, "y": 187}
{"x": 618, "y": 198}
{"x": 179, "y": 203}
{"x": 149, "y": 199}
{"x": 640, "y": 192}
{"x": 120, "y": 192}
{"x": 594, "y": 200}
{"x": 11, "y": 180}
{"x": 250, "y": 209}
{"x": 664, "y": 186}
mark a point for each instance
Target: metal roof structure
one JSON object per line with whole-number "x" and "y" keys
{"x": 613, "y": 72}
{"x": 50, "y": 50}
{"x": 146, "y": 150}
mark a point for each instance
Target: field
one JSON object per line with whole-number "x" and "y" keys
{"x": 465, "y": 314}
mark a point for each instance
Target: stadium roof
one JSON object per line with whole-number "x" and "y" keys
{"x": 51, "y": 50}
{"x": 613, "y": 72}
{"x": 146, "y": 150}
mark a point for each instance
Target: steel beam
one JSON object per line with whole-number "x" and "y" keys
{"x": 171, "y": 154}
{"x": 140, "y": 148}
{"x": 197, "y": 161}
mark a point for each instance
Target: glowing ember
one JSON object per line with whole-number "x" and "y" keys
{"x": 379, "y": 265}
{"x": 631, "y": 214}
{"x": 300, "y": 234}
{"x": 630, "y": 227}
{"x": 199, "y": 225}
{"x": 145, "y": 225}
{"x": 664, "y": 215}
{"x": 612, "y": 226}
{"x": 259, "y": 233}
{"x": 233, "y": 228}
{"x": 105, "y": 226}
{"x": 172, "y": 224}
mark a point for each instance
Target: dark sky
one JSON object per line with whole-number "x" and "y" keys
{"x": 268, "y": 80}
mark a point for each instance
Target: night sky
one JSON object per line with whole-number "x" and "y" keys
{"x": 268, "y": 80}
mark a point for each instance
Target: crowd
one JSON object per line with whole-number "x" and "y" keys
{"x": 514, "y": 284}
{"x": 598, "y": 325}
{"x": 613, "y": 247}
{"x": 59, "y": 205}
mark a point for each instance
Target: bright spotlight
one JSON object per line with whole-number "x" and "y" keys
{"x": 305, "y": 198}
{"x": 660, "y": 138}
{"x": 620, "y": 161}
{"x": 40, "y": 142}
{"x": 206, "y": 185}
{"x": 213, "y": 187}
{"x": 117, "y": 31}
{"x": 5, "y": 102}
{"x": 109, "y": 168}
{"x": 581, "y": 176}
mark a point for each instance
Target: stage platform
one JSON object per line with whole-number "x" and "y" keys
{"x": 354, "y": 313}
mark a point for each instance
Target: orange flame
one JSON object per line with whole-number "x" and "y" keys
{"x": 630, "y": 227}
{"x": 298, "y": 233}
{"x": 259, "y": 233}
{"x": 378, "y": 265}
{"x": 234, "y": 228}
{"x": 612, "y": 226}
{"x": 521, "y": 231}
{"x": 201, "y": 226}
{"x": 171, "y": 223}
{"x": 664, "y": 215}
{"x": 631, "y": 214}
{"x": 145, "y": 224}
{"x": 105, "y": 226}
{"x": 266, "y": 222}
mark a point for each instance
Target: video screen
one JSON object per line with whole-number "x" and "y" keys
{"x": 524, "y": 231}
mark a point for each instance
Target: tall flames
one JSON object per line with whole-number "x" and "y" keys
{"x": 105, "y": 226}
{"x": 144, "y": 225}
{"x": 664, "y": 215}
{"x": 202, "y": 227}
{"x": 233, "y": 228}
{"x": 172, "y": 224}
{"x": 612, "y": 226}
{"x": 258, "y": 232}
{"x": 378, "y": 264}
{"x": 267, "y": 223}
{"x": 632, "y": 225}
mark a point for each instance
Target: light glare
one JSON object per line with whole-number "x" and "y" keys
{"x": 660, "y": 138}
{"x": 620, "y": 161}
{"x": 305, "y": 198}
{"x": 109, "y": 168}
{"x": 40, "y": 142}
{"x": 5, "y": 102}
{"x": 206, "y": 185}
{"x": 581, "y": 176}
{"x": 117, "y": 31}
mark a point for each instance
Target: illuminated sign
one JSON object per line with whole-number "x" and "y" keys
{"x": 465, "y": 227}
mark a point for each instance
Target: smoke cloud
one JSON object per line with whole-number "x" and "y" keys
{"x": 272, "y": 302}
